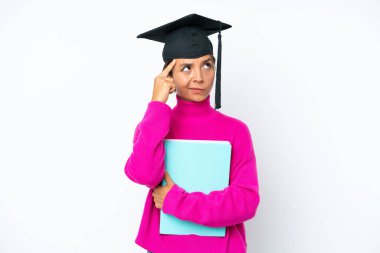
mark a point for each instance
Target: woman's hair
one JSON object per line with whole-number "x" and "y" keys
{"x": 169, "y": 61}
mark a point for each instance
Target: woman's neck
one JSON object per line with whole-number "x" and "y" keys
{"x": 193, "y": 110}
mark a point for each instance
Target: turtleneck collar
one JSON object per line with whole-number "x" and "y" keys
{"x": 193, "y": 109}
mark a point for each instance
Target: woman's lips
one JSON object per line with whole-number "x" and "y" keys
{"x": 198, "y": 91}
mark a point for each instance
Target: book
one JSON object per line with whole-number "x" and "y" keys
{"x": 195, "y": 165}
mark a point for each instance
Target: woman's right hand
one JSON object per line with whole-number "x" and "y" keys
{"x": 163, "y": 84}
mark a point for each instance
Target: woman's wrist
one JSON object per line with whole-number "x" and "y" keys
{"x": 158, "y": 99}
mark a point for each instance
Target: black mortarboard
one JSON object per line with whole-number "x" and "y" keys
{"x": 187, "y": 38}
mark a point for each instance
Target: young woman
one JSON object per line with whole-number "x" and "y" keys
{"x": 190, "y": 73}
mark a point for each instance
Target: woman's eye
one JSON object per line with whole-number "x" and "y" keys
{"x": 208, "y": 65}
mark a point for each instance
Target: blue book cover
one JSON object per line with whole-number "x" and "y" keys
{"x": 195, "y": 165}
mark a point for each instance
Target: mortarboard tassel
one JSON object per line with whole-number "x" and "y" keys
{"x": 218, "y": 68}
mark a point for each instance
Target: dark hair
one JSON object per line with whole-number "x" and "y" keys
{"x": 169, "y": 61}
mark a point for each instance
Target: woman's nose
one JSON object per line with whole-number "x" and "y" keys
{"x": 198, "y": 75}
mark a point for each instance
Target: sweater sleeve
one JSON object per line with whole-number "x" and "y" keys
{"x": 234, "y": 204}
{"x": 145, "y": 164}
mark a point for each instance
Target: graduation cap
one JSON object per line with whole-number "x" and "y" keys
{"x": 187, "y": 38}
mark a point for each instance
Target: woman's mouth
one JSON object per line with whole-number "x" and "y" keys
{"x": 195, "y": 90}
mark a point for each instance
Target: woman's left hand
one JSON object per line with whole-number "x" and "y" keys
{"x": 159, "y": 193}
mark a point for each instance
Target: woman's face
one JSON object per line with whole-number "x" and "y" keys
{"x": 194, "y": 77}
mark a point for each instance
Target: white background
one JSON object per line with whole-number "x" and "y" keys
{"x": 75, "y": 81}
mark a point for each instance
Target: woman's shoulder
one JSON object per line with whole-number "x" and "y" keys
{"x": 239, "y": 132}
{"x": 233, "y": 122}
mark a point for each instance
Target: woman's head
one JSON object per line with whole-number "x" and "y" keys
{"x": 191, "y": 74}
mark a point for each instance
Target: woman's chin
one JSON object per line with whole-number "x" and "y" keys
{"x": 194, "y": 96}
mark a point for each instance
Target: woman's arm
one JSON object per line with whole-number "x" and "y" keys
{"x": 234, "y": 204}
{"x": 145, "y": 165}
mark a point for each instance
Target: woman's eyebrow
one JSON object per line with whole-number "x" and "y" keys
{"x": 190, "y": 63}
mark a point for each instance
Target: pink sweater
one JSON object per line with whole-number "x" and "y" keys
{"x": 229, "y": 207}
